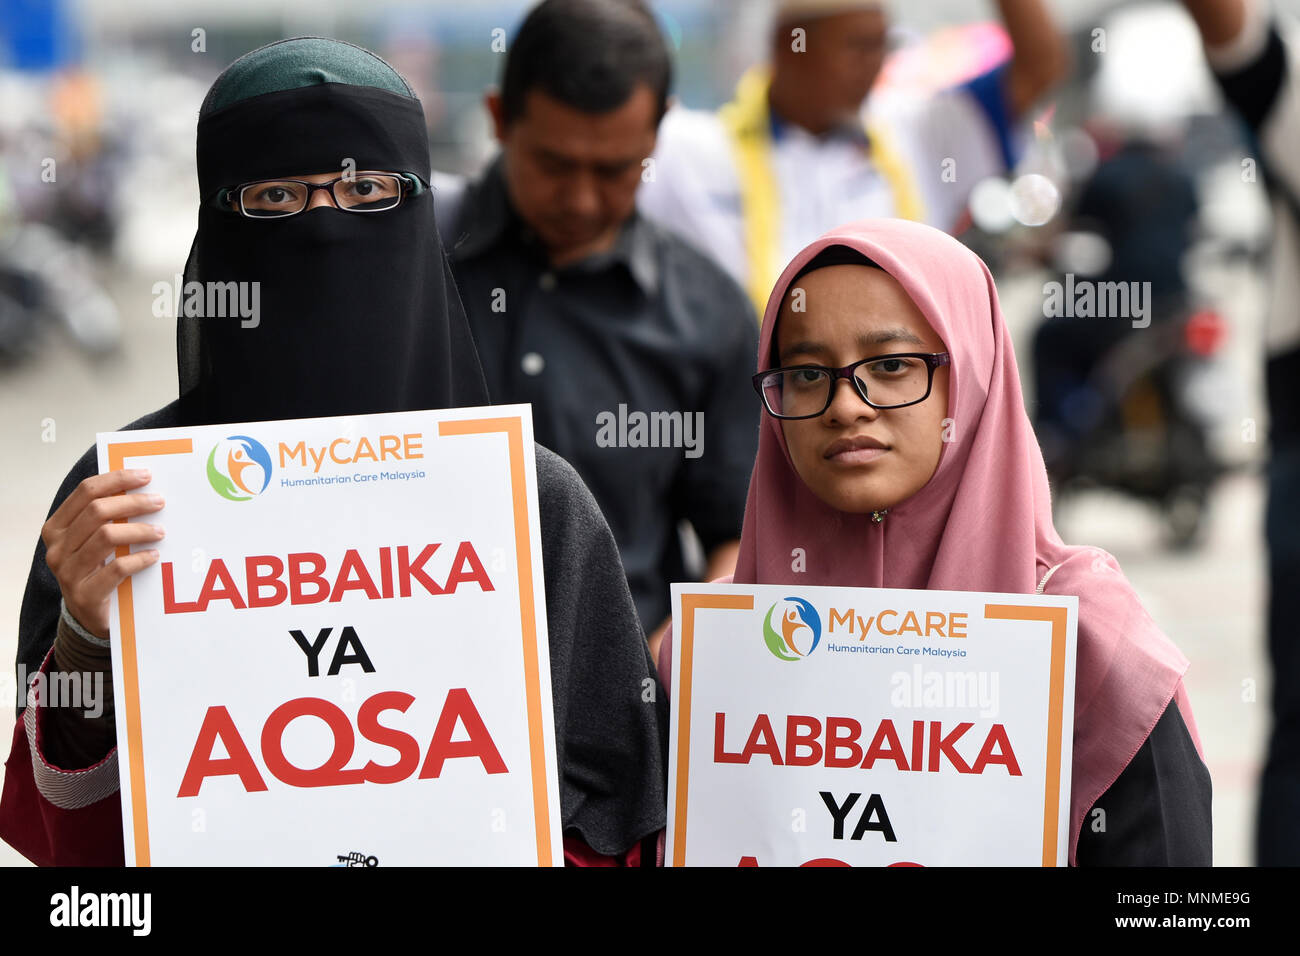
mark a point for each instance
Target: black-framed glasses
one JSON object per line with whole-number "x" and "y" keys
{"x": 356, "y": 192}
{"x": 882, "y": 381}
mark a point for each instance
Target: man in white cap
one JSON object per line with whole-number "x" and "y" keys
{"x": 799, "y": 149}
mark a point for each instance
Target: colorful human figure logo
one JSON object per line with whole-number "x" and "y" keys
{"x": 797, "y": 632}
{"x": 239, "y": 468}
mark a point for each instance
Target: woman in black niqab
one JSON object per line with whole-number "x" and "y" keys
{"x": 357, "y": 314}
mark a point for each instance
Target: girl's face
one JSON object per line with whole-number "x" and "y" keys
{"x": 854, "y": 457}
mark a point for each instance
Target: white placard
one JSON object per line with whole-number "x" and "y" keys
{"x": 869, "y": 727}
{"x": 341, "y": 656}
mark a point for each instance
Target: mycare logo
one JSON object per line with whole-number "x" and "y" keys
{"x": 75, "y": 909}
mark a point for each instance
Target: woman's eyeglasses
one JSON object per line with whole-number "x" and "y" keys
{"x": 882, "y": 381}
{"x": 358, "y": 192}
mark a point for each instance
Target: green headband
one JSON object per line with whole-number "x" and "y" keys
{"x": 298, "y": 62}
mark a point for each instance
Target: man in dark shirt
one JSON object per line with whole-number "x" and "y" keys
{"x": 634, "y": 349}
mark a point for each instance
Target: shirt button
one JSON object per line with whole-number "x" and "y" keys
{"x": 532, "y": 364}
{"x": 547, "y": 281}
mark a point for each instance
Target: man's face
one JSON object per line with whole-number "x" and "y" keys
{"x": 572, "y": 176}
{"x": 844, "y": 54}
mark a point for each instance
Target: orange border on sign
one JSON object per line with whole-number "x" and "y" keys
{"x": 513, "y": 429}
{"x": 118, "y": 452}
{"x": 691, "y": 603}
{"x": 1056, "y": 616}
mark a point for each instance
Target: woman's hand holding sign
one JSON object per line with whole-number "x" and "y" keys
{"x": 84, "y": 532}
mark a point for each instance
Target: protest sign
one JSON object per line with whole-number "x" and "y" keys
{"x": 864, "y": 726}
{"x": 340, "y": 657}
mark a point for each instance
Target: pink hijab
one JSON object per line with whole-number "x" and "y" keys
{"x": 984, "y": 520}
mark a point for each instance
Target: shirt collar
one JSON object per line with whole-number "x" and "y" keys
{"x": 487, "y": 219}
{"x": 851, "y": 132}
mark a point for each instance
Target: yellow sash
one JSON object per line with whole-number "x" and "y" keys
{"x": 748, "y": 122}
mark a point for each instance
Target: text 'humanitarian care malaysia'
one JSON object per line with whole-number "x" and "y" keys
{"x": 346, "y": 451}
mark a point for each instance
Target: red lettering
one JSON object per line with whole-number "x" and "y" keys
{"x": 835, "y": 742}
{"x": 257, "y": 580}
{"x": 228, "y": 591}
{"x": 353, "y": 576}
{"x": 386, "y": 571}
{"x": 465, "y": 556}
{"x": 217, "y": 725}
{"x": 405, "y": 745}
{"x": 885, "y": 734}
{"x": 298, "y": 577}
{"x": 918, "y": 744}
{"x": 945, "y": 745}
{"x": 328, "y": 774}
{"x": 459, "y": 706}
{"x": 1004, "y": 755}
{"x": 762, "y": 741}
{"x": 719, "y": 754}
{"x": 406, "y": 570}
{"x": 794, "y": 739}
{"x": 170, "y": 604}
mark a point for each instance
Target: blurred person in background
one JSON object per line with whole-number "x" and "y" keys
{"x": 1142, "y": 204}
{"x": 594, "y": 314}
{"x": 801, "y": 148}
{"x": 1257, "y": 62}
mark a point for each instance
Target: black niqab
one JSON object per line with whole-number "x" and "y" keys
{"x": 357, "y": 312}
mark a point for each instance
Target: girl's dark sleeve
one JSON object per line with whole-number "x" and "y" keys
{"x": 1157, "y": 813}
{"x": 611, "y": 717}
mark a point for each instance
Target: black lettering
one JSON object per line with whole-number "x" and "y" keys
{"x": 312, "y": 650}
{"x": 838, "y": 813}
{"x": 349, "y": 639}
{"x": 874, "y": 805}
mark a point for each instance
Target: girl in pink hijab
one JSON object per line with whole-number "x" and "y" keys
{"x": 944, "y": 488}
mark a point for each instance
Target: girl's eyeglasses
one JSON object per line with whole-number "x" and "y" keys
{"x": 882, "y": 381}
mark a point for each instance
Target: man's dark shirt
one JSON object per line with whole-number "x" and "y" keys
{"x": 652, "y": 325}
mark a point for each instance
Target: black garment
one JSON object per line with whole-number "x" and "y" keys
{"x": 346, "y": 326}
{"x": 1143, "y": 203}
{"x": 1259, "y": 93}
{"x": 611, "y": 742}
{"x": 652, "y": 326}
{"x": 1157, "y": 813}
